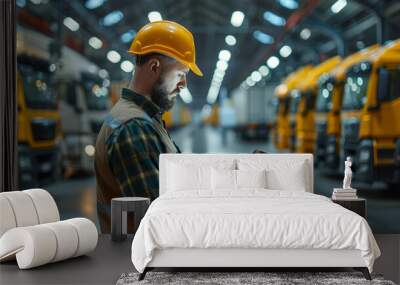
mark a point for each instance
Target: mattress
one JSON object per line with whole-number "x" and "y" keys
{"x": 251, "y": 219}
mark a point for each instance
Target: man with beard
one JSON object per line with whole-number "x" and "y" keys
{"x": 133, "y": 135}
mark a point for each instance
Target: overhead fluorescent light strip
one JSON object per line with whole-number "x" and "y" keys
{"x": 237, "y": 18}
{"x": 289, "y": 4}
{"x": 263, "y": 37}
{"x": 338, "y": 6}
{"x": 93, "y": 4}
{"x": 128, "y": 36}
{"x": 95, "y": 42}
{"x": 71, "y": 24}
{"x": 274, "y": 19}
{"x": 112, "y": 18}
{"x": 154, "y": 16}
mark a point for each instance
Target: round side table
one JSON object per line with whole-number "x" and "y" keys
{"x": 119, "y": 208}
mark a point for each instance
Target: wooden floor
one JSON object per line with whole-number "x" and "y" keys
{"x": 106, "y": 264}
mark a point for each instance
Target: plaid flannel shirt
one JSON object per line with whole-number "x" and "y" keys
{"x": 133, "y": 151}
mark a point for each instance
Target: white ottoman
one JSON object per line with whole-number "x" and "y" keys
{"x": 31, "y": 232}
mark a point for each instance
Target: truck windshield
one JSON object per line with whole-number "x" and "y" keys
{"x": 294, "y": 101}
{"x": 324, "y": 97}
{"x": 96, "y": 96}
{"x": 38, "y": 90}
{"x": 355, "y": 90}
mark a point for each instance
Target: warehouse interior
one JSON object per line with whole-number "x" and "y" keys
{"x": 280, "y": 76}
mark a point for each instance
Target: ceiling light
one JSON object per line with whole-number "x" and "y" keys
{"x": 290, "y": 4}
{"x": 71, "y": 24}
{"x": 106, "y": 83}
{"x": 237, "y": 18}
{"x": 274, "y": 19}
{"x": 217, "y": 81}
{"x": 154, "y": 16}
{"x": 222, "y": 65}
{"x": 113, "y": 56}
{"x": 256, "y": 76}
{"x": 264, "y": 71}
{"x": 212, "y": 95}
{"x": 127, "y": 66}
{"x": 263, "y": 37}
{"x": 285, "y": 51}
{"x": 103, "y": 73}
{"x": 305, "y": 34}
{"x": 273, "y": 62}
{"x": 220, "y": 73}
{"x": 93, "y": 4}
{"x": 95, "y": 42}
{"x": 112, "y": 18}
{"x": 230, "y": 40}
{"x": 250, "y": 81}
{"x": 128, "y": 36}
{"x": 338, "y": 6}
{"x": 186, "y": 95}
{"x": 224, "y": 55}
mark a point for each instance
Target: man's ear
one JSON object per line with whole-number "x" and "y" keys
{"x": 155, "y": 65}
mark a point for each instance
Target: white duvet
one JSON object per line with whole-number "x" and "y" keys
{"x": 250, "y": 218}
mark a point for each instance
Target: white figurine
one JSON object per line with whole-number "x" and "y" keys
{"x": 347, "y": 174}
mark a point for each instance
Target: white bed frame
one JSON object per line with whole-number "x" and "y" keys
{"x": 250, "y": 258}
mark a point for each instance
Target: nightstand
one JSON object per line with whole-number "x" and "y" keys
{"x": 119, "y": 208}
{"x": 358, "y": 206}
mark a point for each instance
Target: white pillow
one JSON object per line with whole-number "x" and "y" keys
{"x": 251, "y": 178}
{"x": 182, "y": 177}
{"x": 226, "y": 179}
{"x": 289, "y": 175}
{"x": 223, "y": 179}
{"x": 193, "y": 174}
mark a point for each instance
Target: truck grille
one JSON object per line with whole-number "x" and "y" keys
{"x": 43, "y": 129}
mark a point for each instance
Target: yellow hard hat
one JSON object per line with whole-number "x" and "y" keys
{"x": 168, "y": 38}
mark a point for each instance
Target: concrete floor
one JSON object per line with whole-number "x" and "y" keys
{"x": 76, "y": 197}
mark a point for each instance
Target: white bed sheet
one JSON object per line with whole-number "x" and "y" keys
{"x": 252, "y": 218}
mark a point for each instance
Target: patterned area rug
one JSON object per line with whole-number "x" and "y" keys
{"x": 229, "y": 278}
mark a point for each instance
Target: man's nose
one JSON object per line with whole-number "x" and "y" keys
{"x": 182, "y": 83}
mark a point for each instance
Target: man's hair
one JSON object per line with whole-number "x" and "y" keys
{"x": 142, "y": 59}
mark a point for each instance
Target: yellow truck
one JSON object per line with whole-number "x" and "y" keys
{"x": 179, "y": 116}
{"x": 370, "y": 115}
{"x": 328, "y": 104}
{"x": 39, "y": 130}
{"x": 282, "y": 92}
{"x": 304, "y": 98}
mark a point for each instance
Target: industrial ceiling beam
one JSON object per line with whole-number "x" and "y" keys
{"x": 94, "y": 24}
{"x": 361, "y": 26}
{"x": 293, "y": 21}
{"x": 376, "y": 11}
{"x": 335, "y": 34}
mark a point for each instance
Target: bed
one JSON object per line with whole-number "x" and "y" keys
{"x": 241, "y": 210}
